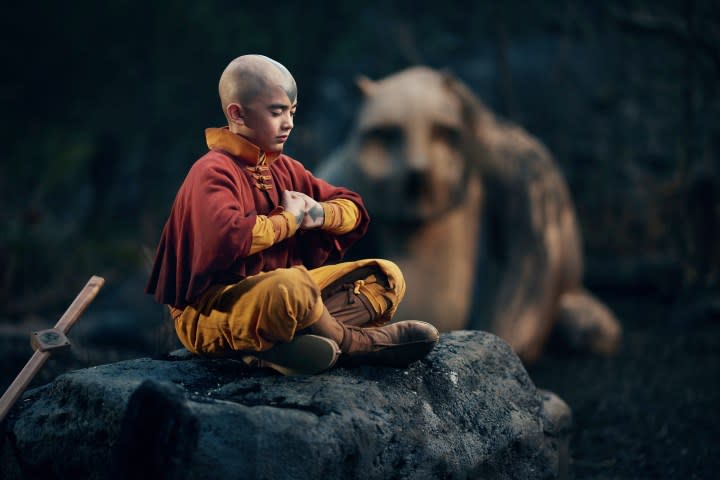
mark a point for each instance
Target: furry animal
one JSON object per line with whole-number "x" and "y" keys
{"x": 474, "y": 211}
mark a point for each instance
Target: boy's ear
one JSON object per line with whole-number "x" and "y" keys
{"x": 235, "y": 113}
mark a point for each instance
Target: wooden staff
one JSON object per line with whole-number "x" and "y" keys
{"x": 46, "y": 341}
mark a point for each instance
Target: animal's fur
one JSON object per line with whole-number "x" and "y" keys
{"x": 473, "y": 210}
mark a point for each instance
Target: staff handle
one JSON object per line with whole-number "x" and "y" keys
{"x": 76, "y": 308}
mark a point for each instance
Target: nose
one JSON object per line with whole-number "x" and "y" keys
{"x": 416, "y": 154}
{"x": 417, "y": 181}
{"x": 288, "y": 122}
{"x": 416, "y": 184}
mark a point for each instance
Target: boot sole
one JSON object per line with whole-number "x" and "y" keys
{"x": 304, "y": 355}
{"x": 396, "y": 356}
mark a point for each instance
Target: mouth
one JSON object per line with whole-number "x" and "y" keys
{"x": 281, "y": 138}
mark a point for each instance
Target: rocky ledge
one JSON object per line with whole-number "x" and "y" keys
{"x": 469, "y": 410}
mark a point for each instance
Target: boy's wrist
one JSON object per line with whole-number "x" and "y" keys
{"x": 329, "y": 215}
{"x": 341, "y": 216}
{"x": 285, "y": 222}
{"x": 292, "y": 221}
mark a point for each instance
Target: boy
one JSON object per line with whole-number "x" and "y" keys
{"x": 240, "y": 260}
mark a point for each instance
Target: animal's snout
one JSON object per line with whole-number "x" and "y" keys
{"x": 416, "y": 184}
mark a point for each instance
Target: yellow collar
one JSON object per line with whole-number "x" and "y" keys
{"x": 248, "y": 152}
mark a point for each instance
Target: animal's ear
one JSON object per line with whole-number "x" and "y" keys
{"x": 366, "y": 86}
{"x": 447, "y": 75}
{"x": 452, "y": 83}
{"x": 474, "y": 112}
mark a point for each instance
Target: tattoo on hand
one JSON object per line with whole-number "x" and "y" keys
{"x": 299, "y": 217}
{"x": 316, "y": 213}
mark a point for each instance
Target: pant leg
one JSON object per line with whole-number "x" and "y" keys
{"x": 348, "y": 305}
{"x": 251, "y": 315}
{"x": 362, "y": 293}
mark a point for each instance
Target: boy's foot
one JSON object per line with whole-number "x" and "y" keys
{"x": 393, "y": 345}
{"x": 304, "y": 355}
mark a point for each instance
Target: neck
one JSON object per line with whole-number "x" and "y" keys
{"x": 438, "y": 262}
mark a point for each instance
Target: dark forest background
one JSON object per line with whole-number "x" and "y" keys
{"x": 104, "y": 106}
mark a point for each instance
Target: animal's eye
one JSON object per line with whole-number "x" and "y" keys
{"x": 446, "y": 134}
{"x": 384, "y": 135}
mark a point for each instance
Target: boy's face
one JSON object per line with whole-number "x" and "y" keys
{"x": 268, "y": 119}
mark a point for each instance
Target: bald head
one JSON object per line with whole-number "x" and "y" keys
{"x": 249, "y": 75}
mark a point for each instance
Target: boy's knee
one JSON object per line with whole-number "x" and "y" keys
{"x": 291, "y": 292}
{"x": 395, "y": 279}
{"x": 295, "y": 281}
{"x": 290, "y": 302}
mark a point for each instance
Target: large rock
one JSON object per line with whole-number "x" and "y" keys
{"x": 469, "y": 410}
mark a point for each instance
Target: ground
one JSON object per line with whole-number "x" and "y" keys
{"x": 653, "y": 411}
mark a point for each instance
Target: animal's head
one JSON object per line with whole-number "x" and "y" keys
{"x": 414, "y": 144}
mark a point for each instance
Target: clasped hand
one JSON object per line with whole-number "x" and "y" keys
{"x": 308, "y": 212}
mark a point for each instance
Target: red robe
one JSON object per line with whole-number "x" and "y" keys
{"x": 208, "y": 234}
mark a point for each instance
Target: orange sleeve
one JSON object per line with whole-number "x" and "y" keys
{"x": 269, "y": 230}
{"x": 341, "y": 216}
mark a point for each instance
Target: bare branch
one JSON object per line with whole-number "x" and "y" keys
{"x": 670, "y": 28}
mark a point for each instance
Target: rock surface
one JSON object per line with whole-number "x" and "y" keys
{"x": 469, "y": 410}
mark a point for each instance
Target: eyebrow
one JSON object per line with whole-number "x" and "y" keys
{"x": 281, "y": 106}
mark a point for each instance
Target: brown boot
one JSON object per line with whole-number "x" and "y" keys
{"x": 394, "y": 345}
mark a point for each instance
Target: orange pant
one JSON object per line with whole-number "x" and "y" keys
{"x": 270, "y": 307}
